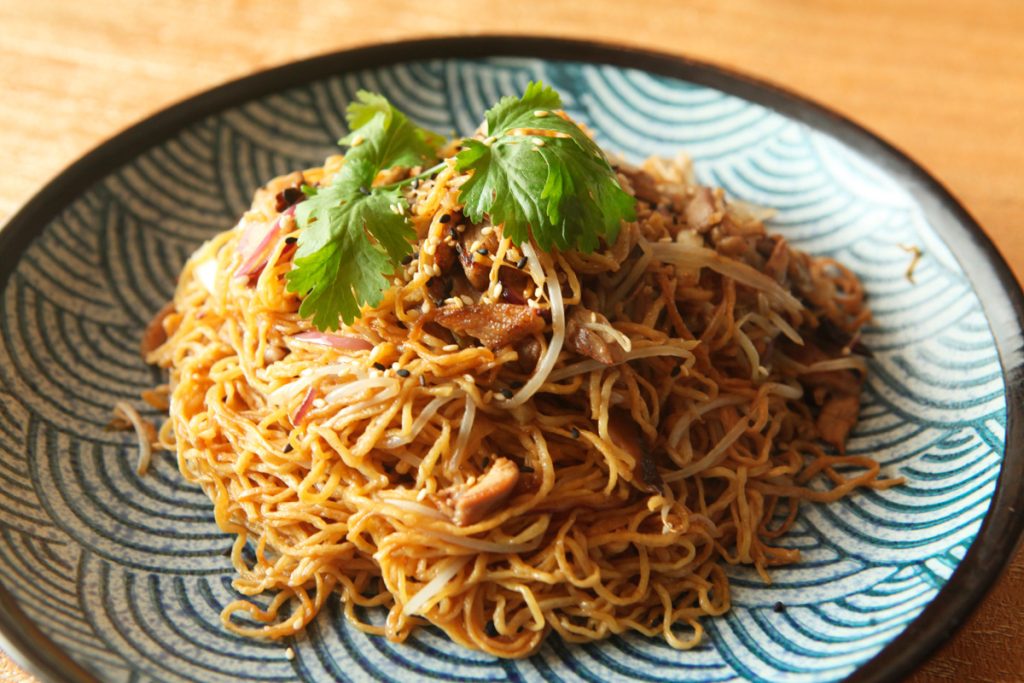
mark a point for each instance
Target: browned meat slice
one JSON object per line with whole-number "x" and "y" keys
{"x": 496, "y": 325}
{"x": 529, "y": 353}
{"x": 513, "y": 285}
{"x": 468, "y": 504}
{"x": 837, "y": 418}
{"x": 444, "y": 256}
{"x": 588, "y": 342}
{"x": 475, "y": 250}
{"x": 644, "y": 186}
{"x": 155, "y": 334}
{"x": 626, "y": 435}
{"x": 704, "y": 210}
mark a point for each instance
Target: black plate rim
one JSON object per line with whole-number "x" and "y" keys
{"x": 990, "y": 277}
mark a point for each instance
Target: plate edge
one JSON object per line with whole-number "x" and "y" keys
{"x": 1001, "y": 529}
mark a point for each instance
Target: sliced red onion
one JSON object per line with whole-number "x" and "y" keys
{"x": 256, "y": 257}
{"x": 336, "y": 341}
{"x": 304, "y": 407}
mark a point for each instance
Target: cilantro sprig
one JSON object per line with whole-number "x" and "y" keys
{"x": 539, "y": 174}
{"x": 536, "y": 173}
{"x": 354, "y": 234}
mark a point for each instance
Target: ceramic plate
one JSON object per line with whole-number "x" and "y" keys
{"x": 114, "y": 577}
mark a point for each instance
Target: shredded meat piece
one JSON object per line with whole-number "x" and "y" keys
{"x": 529, "y": 353}
{"x": 477, "y": 269}
{"x": 837, "y": 418}
{"x": 643, "y": 183}
{"x": 468, "y": 504}
{"x": 155, "y": 334}
{"x": 440, "y": 288}
{"x": 704, "y": 210}
{"x": 513, "y": 285}
{"x": 588, "y": 342}
{"x": 496, "y": 325}
{"x": 626, "y": 435}
{"x": 445, "y": 256}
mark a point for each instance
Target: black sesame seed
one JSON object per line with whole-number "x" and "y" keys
{"x": 491, "y": 630}
{"x": 516, "y": 384}
{"x": 402, "y": 372}
{"x": 446, "y": 218}
{"x": 288, "y": 448}
{"x": 485, "y": 462}
{"x": 521, "y": 263}
{"x": 526, "y": 469}
{"x": 482, "y": 251}
{"x": 779, "y": 607}
{"x": 507, "y": 393}
{"x": 291, "y": 240}
{"x": 407, "y": 259}
{"x": 379, "y": 366}
{"x": 676, "y": 371}
{"x": 364, "y": 190}
{"x": 575, "y": 433}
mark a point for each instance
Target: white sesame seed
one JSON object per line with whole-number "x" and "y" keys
{"x": 357, "y": 140}
{"x": 421, "y": 496}
{"x": 289, "y": 654}
{"x": 486, "y": 230}
{"x": 467, "y": 299}
{"x": 450, "y": 348}
{"x": 540, "y": 113}
{"x": 537, "y": 141}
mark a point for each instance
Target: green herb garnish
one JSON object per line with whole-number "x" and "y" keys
{"x": 537, "y": 174}
{"x": 353, "y": 234}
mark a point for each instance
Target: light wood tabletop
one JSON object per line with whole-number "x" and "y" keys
{"x": 940, "y": 79}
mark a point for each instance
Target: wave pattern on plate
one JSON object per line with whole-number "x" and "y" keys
{"x": 129, "y": 574}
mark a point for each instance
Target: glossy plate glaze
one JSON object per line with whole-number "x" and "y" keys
{"x": 122, "y": 578}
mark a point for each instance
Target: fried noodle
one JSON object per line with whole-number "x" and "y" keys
{"x": 658, "y": 412}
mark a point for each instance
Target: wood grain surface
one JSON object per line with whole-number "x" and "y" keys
{"x": 942, "y": 80}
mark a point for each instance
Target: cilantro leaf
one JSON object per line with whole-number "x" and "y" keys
{"x": 386, "y": 136}
{"x": 520, "y": 112}
{"x": 537, "y": 173}
{"x": 540, "y": 174}
{"x": 351, "y": 239}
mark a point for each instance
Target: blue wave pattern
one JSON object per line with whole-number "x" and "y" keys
{"x": 129, "y": 574}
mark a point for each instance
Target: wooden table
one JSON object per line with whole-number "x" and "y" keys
{"x": 943, "y": 80}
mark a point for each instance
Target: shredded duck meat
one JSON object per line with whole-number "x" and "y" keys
{"x": 496, "y": 325}
{"x": 469, "y": 503}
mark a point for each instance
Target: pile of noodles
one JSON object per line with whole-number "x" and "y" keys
{"x": 337, "y": 456}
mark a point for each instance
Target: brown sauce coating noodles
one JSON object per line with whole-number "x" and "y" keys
{"x": 654, "y": 413}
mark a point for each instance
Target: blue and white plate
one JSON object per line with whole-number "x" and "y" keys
{"x": 114, "y": 577}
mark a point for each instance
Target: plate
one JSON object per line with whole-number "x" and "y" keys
{"x": 114, "y": 577}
